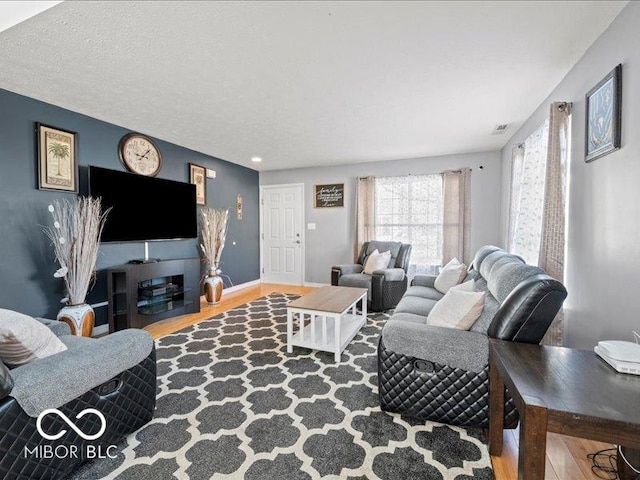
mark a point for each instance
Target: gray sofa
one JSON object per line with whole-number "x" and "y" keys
{"x": 385, "y": 286}
{"x": 115, "y": 375}
{"x": 441, "y": 374}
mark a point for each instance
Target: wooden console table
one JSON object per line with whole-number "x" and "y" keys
{"x": 562, "y": 390}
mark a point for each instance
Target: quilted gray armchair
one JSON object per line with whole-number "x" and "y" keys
{"x": 386, "y": 286}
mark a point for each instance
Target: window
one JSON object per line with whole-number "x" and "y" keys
{"x": 527, "y": 195}
{"x": 409, "y": 209}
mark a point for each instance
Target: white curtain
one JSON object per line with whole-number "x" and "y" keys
{"x": 456, "y": 215}
{"x": 528, "y": 176}
{"x": 365, "y": 211}
{"x": 552, "y": 241}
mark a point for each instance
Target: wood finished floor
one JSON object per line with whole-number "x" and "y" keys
{"x": 566, "y": 456}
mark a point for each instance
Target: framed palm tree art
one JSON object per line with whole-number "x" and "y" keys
{"x": 57, "y": 163}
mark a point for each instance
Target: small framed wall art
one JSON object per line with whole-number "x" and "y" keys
{"x": 604, "y": 116}
{"x": 57, "y": 163}
{"x": 197, "y": 176}
{"x": 328, "y": 195}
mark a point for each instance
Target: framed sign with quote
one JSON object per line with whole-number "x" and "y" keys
{"x": 197, "y": 177}
{"x": 328, "y": 195}
{"x": 603, "y": 116}
{"x": 57, "y": 164}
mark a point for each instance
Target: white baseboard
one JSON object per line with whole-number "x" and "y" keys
{"x": 314, "y": 284}
{"x": 240, "y": 286}
{"x": 100, "y": 330}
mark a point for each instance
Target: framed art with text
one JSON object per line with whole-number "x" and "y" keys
{"x": 328, "y": 195}
{"x": 604, "y": 116}
{"x": 197, "y": 176}
{"x": 57, "y": 163}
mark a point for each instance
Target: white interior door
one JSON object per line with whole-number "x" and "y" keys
{"x": 282, "y": 234}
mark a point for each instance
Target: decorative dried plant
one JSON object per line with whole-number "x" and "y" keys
{"x": 75, "y": 235}
{"x": 213, "y": 231}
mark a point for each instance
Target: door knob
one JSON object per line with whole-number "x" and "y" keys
{"x": 297, "y": 241}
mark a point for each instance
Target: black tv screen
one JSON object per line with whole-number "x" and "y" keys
{"x": 144, "y": 208}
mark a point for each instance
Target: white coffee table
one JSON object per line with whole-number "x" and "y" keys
{"x": 333, "y": 319}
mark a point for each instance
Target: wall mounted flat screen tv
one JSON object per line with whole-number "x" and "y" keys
{"x": 144, "y": 208}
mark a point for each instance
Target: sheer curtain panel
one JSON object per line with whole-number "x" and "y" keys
{"x": 365, "y": 211}
{"x": 456, "y": 215}
{"x": 528, "y": 176}
{"x": 552, "y": 241}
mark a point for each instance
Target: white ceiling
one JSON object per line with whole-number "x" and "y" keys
{"x": 304, "y": 83}
{"x": 12, "y": 13}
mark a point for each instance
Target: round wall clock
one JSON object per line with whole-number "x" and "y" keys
{"x": 140, "y": 155}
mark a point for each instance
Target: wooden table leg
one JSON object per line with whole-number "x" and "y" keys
{"x": 496, "y": 411}
{"x": 533, "y": 443}
{"x": 625, "y": 472}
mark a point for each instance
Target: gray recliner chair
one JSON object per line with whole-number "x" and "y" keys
{"x": 115, "y": 375}
{"x": 386, "y": 286}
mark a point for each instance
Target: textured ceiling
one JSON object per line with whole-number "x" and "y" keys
{"x": 304, "y": 83}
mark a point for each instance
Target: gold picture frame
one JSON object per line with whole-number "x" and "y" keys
{"x": 57, "y": 162}
{"x": 198, "y": 177}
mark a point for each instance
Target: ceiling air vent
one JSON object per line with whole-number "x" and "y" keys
{"x": 500, "y": 129}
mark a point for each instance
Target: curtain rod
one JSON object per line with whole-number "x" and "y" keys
{"x": 481, "y": 167}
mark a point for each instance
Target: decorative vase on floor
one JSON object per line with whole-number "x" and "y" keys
{"x": 213, "y": 286}
{"x": 80, "y": 319}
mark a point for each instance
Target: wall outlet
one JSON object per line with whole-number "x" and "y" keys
{"x": 311, "y": 226}
{"x": 211, "y": 173}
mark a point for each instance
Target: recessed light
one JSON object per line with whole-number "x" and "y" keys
{"x": 256, "y": 159}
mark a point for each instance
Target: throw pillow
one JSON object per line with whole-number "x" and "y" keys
{"x": 469, "y": 286}
{"x": 24, "y": 339}
{"x": 451, "y": 275}
{"x": 457, "y": 309}
{"x": 376, "y": 261}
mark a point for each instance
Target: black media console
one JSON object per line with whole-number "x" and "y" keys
{"x": 143, "y": 293}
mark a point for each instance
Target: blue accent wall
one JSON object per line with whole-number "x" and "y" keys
{"x": 27, "y": 262}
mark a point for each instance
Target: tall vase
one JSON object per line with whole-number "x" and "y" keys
{"x": 213, "y": 286}
{"x": 80, "y": 319}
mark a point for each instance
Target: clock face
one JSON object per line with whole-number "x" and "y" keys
{"x": 140, "y": 155}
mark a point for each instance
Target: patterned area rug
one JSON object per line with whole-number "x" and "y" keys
{"x": 233, "y": 404}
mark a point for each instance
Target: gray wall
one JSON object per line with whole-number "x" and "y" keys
{"x": 603, "y": 252}
{"x": 334, "y": 238}
{"x": 26, "y": 260}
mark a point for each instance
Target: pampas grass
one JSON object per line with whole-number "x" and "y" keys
{"x": 75, "y": 235}
{"x": 213, "y": 231}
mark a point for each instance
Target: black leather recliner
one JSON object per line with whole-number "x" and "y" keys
{"x": 442, "y": 374}
{"x": 386, "y": 286}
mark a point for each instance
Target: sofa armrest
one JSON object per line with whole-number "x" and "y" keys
{"x": 445, "y": 346}
{"x": 6, "y": 381}
{"x": 57, "y": 327}
{"x": 424, "y": 281}
{"x": 338, "y": 270}
{"x": 391, "y": 274}
{"x": 52, "y": 381}
{"x": 348, "y": 269}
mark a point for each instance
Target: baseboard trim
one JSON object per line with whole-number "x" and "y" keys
{"x": 315, "y": 284}
{"x": 100, "y": 330}
{"x": 240, "y": 286}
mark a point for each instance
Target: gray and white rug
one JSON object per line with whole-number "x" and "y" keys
{"x": 232, "y": 404}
